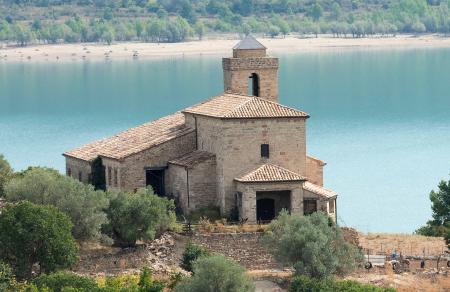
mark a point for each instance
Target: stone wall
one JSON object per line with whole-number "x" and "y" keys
{"x": 314, "y": 170}
{"x": 245, "y": 53}
{"x": 131, "y": 170}
{"x": 194, "y": 187}
{"x": 248, "y": 191}
{"x": 77, "y": 168}
{"x": 236, "y": 72}
{"x": 323, "y": 204}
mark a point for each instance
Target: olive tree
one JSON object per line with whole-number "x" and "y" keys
{"x": 312, "y": 244}
{"x": 139, "y": 216}
{"x": 32, "y": 234}
{"x": 216, "y": 273}
{"x": 79, "y": 201}
{"x": 5, "y": 173}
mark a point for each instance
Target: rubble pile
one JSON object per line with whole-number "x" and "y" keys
{"x": 350, "y": 235}
{"x": 158, "y": 255}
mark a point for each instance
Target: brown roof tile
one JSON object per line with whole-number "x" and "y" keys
{"x": 134, "y": 140}
{"x": 270, "y": 173}
{"x": 318, "y": 190}
{"x": 232, "y": 106}
{"x": 193, "y": 158}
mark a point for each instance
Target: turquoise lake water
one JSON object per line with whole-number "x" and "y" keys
{"x": 379, "y": 118}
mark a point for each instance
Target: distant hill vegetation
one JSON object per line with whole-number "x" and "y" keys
{"x": 52, "y": 21}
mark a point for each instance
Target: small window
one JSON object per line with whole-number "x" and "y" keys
{"x": 80, "y": 176}
{"x": 69, "y": 172}
{"x": 331, "y": 206}
{"x": 265, "y": 150}
{"x": 116, "y": 183}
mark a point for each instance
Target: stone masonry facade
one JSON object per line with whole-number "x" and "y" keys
{"x": 241, "y": 152}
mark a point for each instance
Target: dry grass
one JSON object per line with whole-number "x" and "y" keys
{"x": 411, "y": 245}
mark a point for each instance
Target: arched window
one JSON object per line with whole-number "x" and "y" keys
{"x": 253, "y": 85}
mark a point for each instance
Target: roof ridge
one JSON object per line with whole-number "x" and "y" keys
{"x": 281, "y": 105}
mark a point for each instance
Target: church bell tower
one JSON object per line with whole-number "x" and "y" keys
{"x": 250, "y": 71}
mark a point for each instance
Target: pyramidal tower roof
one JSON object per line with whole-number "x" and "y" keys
{"x": 249, "y": 43}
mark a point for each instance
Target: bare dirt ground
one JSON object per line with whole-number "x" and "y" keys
{"x": 138, "y": 50}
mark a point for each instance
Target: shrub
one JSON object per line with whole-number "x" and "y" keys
{"x": 62, "y": 281}
{"x": 7, "y": 278}
{"x": 191, "y": 254}
{"x": 80, "y": 202}
{"x": 140, "y": 216}
{"x": 5, "y": 173}
{"x": 32, "y": 234}
{"x": 306, "y": 284}
{"x": 313, "y": 246}
{"x": 216, "y": 273}
{"x": 132, "y": 283}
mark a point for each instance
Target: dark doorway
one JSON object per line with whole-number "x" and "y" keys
{"x": 97, "y": 178}
{"x": 309, "y": 207}
{"x": 254, "y": 84}
{"x": 155, "y": 179}
{"x": 265, "y": 209}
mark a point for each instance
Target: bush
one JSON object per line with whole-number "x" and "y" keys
{"x": 134, "y": 283}
{"x": 5, "y": 173}
{"x": 191, "y": 254}
{"x": 140, "y": 216}
{"x": 62, "y": 281}
{"x": 32, "y": 234}
{"x": 311, "y": 244}
{"x": 80, "y": 202}
{"x": 306, "y": 284}
{"x": 7, "y": 278}
{"x": 216, "y": 273}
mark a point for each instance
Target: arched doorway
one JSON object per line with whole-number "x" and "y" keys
{"x": 253, "y": 85}
{"x": 265, "y": 209}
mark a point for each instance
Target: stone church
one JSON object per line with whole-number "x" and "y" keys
{"x": 239, "y": 151}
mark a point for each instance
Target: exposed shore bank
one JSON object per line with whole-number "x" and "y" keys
{"x": 139, "y": 50}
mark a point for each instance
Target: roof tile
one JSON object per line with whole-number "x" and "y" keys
{"x": 232, "y": 106}
{"x": 318, "y": 190}
{"x": 270, "y": 173}
{"x": 193, "y": 158}
{"x": 135, "y": 139}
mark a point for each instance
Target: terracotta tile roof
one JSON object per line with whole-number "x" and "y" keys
{"x": 232, "y": 106}
{"x": 270, "y": 173}
{"x": 134, "y": 140}
{"x": 193, "y": 158}
{"x": 323, "y": 163}
{"x": 318, "y": 190}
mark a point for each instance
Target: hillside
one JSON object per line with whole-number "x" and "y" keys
{"x": 53, "y": 21}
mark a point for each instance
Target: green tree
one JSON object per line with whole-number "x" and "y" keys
{"x": 6, "y": 173}
{"x": 199, "y": 29}
{"x": 216, "y": 273}
{"x": 22, "y": 34}
{"x": 439, "y": 225}
{"x": 32, "y": 234}
{"x": 108, "y": 34}
{"x": 80, "y": 202}
{"x": 192, "y": 253}
{"x": 139, "y": 216}
{"x": 311, "y": 244}
{"x": 316, "y": 11}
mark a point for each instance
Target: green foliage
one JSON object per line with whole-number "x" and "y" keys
{"x": 80, "y": 202}
{"x": 439, "y": 225}
{"x": 192, "y": 253}
{"x": 313, "y": 246}
{"x": 6, "y": 173}
{"x": 7, "y": 279}
{"x": 361, "y": 18}
{"x": 305, "y": 284}
{"x": 61, "y": 281}
{"x": 32, "y": 234}
{"x": 139, "y": 216}
{"x": 216, "y": 273}
{"x": 133, "y": 283}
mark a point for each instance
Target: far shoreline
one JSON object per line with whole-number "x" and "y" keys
{"x": 212, "y": 47}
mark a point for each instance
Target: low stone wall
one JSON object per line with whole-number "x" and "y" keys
{"x": 244, "y": 248}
